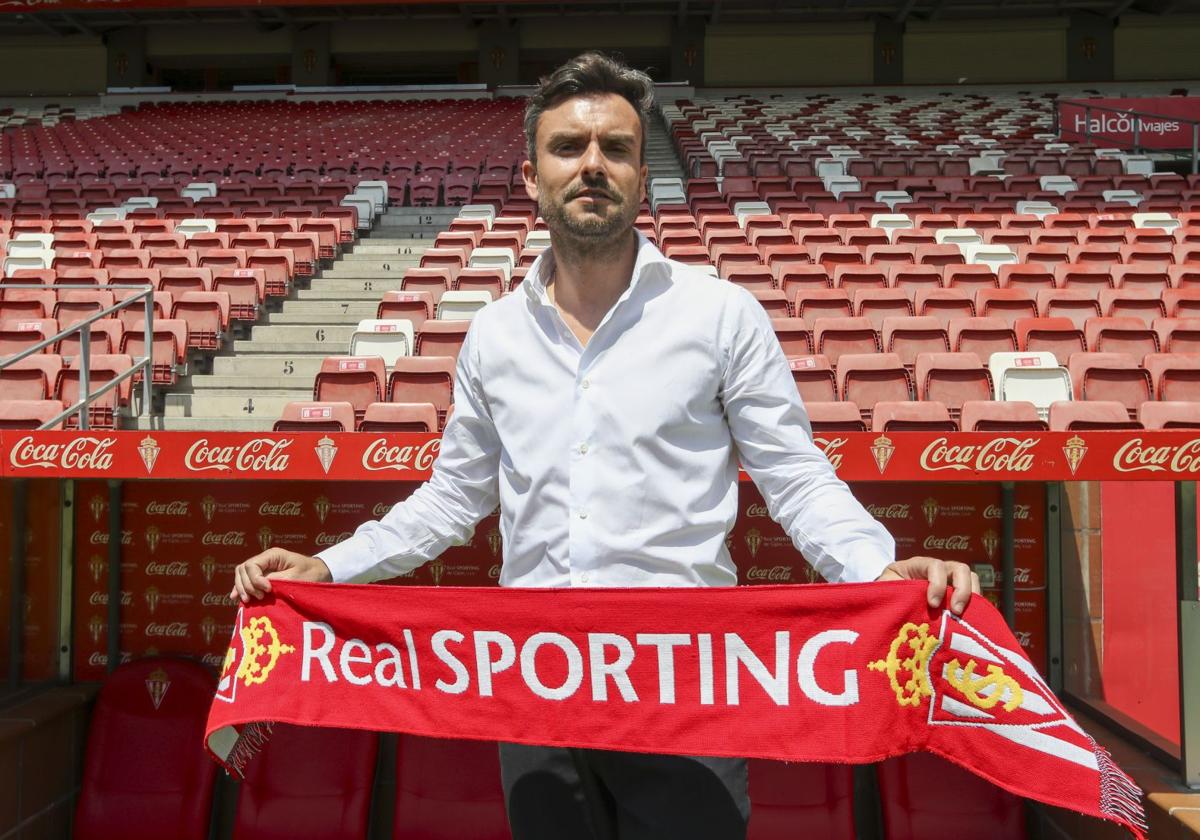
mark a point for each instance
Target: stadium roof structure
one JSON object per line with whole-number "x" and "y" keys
{"x": 72, "y": 17}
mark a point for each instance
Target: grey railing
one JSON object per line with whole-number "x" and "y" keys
{"x": 143, "y": 293}
{"x": 1089, "y": 107}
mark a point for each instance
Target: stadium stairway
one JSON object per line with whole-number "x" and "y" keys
{"x": 252, "y": 380}
{"x": 661, "y": 158}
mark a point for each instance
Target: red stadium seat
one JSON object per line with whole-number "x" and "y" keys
{"x": 1180, "y": 303}
{"x": 814, "y": 378}
{"x": 794, "y": 336}
{"x": 32, "y": 378}
{"x": 104, "y": 337}
{"x": 441, "y": 338}
{"x": 811, "y": 304}
{"x": 982, "y": 336}
{"x": 358, "y": 380}
{"x": 833, "y": 417}
{"x": 1053, "y": 335}
{"x": 912, "y": 417}
{"x": 808, "y": 800}
{"x": 28, "y": 414}
{"x": 1175, "y": 376}
{"x": 944, "y": 304}
{"x": 168, "y": 342}
{"x": 854, "y": 278}
{"x": 969, "y": 278}
{"x": 400, "y": 417}
{"x": 908, "y": 337}
{"x": 1120, "y": 335}
{"x": 304, "y": 416}
{"x": 952, "y": 379}
{"x": 1032, "y": 278}
{"x": 1076, "y": 304}
{"x": 1072, "y": 416}
{"x": 124, "y": 793}
{"x": 1110, "y": 377}
{"x": 417, "y": 307}
{"x": 869, "y": 378}
{"x": 910, "y": 812}
{"x": 876, "y": 304}
{"x": 833, "y": 337}
{"x": 102, "y": 368}
{"x": 1144, "y": 304}
{"x": 17, "y": 334}
{"x": 1175, "y": 335}
{"x": 989, "y": 416}
{"x": 247, "y": 290}
{"x": 1169, "y": 415}
{"x": 1083, "y": 276}
{"x": 423, "y": 379}
{"x": 308, "y": 782}
{"x": 917, "y": 277}
{"x": 1008, "y": 304}
{"x": 436, "y": 777}
{"x": 207, "y": 317}
{"x": 774, "y": 301}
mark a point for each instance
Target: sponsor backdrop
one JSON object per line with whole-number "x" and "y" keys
{"x": 1167, "y": 128}
{"x": 181, "y": 541}
{"x": 40, "y": 607}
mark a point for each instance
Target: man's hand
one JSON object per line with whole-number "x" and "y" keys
{"x": 252, "y": 579}
{"x": 938, "y": 573}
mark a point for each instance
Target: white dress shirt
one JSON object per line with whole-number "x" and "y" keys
{"x": 616, "y": 464}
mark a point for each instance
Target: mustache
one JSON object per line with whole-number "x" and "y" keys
{"x": 574, "y": 193}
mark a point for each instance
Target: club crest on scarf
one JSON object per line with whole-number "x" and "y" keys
{"x": 254, "y": 651}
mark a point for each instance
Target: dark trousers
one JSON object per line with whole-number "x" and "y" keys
{"x": 557, "y": 793}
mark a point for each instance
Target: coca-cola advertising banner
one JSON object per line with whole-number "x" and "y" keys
{"x": 1161, "y": 122}
{"x": 180, "y": 542}
{"x": 42, "y": 533}
{"x": 360, "y": 456}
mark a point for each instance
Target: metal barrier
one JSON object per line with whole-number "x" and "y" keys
{"x": 142, "y": 363}
{"x": 1089, "y": 107}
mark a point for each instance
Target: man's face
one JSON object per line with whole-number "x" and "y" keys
{"x": 590, "y": 178}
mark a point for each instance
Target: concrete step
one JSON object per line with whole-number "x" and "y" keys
{"x": 322, "y": 314}
{"x": 264, "y": 335}
{"x": 405, "y": 255}
{"x": 260, "y": 423}
{"x": 252, "y": 385}
{"x": 259, "y": 366}
{"x": 342, "y": 271}
{"x": 268, "y": 404}
{"x": 344, "y": 284}
{"x": 404, "y": 247}
{"x": 335, "y": 295}
{"x": 295, "y": 348}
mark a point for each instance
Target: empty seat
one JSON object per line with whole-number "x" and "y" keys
{"x": 793, "y": 333}
{"x": 168, "y": 348}
{"x": 207, "y": 317}
{"x": 436, "y": 777}
{"x": 952, "y": 379}
{"x": 814, "y": 378}
{"x": 912, "y": 417}
{"x": 1008, "y": 304}
{"x": 423, "y": 379}
{"x": 441, "y": 338}
{"x": 1058, "y": 336}
{"x": 1077, "y": 305}
{"x": 800, "y": 799}
{"x": 414, "y": 307}
{"x": 944, "y": 304}
{"x": 32, "y": 378}
{"x": 1169, "y": 415}
{"x": 1120, "y": 335}
{"x": 29, "y": 414}
{"x": 811, "y": 304}
{"x": 866, "y": 379}
{"x": 1031, "y": 278}
{"x": 307, "y": 416}
{"x": 876, "y": 304}
{"x": 908, "y": 337}
{"x": 1111, "y": 377}
{"x": 1029, "y": 377}
{"x": 388, "y": 338}
{"x": 1146, "y": 305}
{"x": 1092, "y": 415}
{"x": 358, "y": 380}
{"x": 1175, "y": 335}
{"x": 154, "y": 706}
{"x": 1083, "y": 276}
{"x": 992, "y": 416}
{"x": 400, "y": 417}
{"x": 247, "y": 289}
{"x": 309, "y": 781}
{"x": 774, "y": 301}
{"x": 102, "y": 368}
{"x": 833, "y": 337}
{"x": 462, "y": 305}
{"x": 910, "y": 812}
{"x": 1182, "y": 303}
{"x": 832, "y": 417}
{"x": 1175, "y": 376}
{"x": 982, "y": 336}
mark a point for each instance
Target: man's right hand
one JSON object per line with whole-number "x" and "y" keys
{"x": 252, "y": 579}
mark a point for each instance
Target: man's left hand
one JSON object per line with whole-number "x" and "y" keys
{"x": 938, "y": 573}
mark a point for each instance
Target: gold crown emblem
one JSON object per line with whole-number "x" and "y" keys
{"x": 322, "y": 506}
{"x": 208, "y": 626}
{"x": 261, "y": 651}
{"x": 149, "y": 449}
{"x": 208, "y": 566}
{"x": 753, "y": 541}
{"x": 1074, "y": 449}
{"x": 264, "y": 537}
{"x": 157, "y": 684}
{"x": 153, "y": 535}
{"x": 915, "y": 668}
{"x": 326, "y": 450}
{"x": 991, "y": 542}
{"x": 493, "y": 539}
{"x": 436, "y": 568}
{"x": 97, "y": 565}
{"x": 882, "y": 449}
{"x": 152, "y": 596}
{"x": 97, "y": 506}
{"x": 209, "y": 506}
{"x": 930, "y": 508}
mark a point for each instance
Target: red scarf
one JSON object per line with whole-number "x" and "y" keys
{"x": 853, "y": 673}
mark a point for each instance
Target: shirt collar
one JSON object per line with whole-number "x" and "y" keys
{"x": 649, "y": 259}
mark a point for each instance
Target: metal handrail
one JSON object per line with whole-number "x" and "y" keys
{"x": 1089, "y": 106}
{"x": 144, "y": 293}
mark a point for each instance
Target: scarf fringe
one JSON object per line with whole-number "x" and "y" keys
{"x": 1120, "y": 797}
{"x": 252, "y": 737}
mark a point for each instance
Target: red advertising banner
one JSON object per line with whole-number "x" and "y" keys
{"x": 361, "y": 456}
{"x": 1162, "y": 122}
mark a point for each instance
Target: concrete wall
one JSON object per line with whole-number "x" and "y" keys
{"x": 1157, "y": 47}
{"x": 49, "y": 65}
{"x": 937, "y": 52}
{"x": 788, "y": 54}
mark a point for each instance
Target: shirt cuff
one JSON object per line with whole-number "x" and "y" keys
{"x": 348, "y": 559}
{"x": 866, "y": 567}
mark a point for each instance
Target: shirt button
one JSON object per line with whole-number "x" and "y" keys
{"x": 585, "y": 384}
{"x": 583, "y": 578}
{"x": 583, "y": 514}
{"x": 583, "y": 448}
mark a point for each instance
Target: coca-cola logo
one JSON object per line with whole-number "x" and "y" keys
{"x": 255, "y": 455}
{"x": 959, "y": 542}
{"x": 100, "y": 599}
{"x": 281, "y": 509}
{"x": 331, "y": 539}
{"x": 1024, "y": 637}
{"x": 80, "y": 453}
{"x": 223, "y": 538}
{"x": 101, "y": 538}
{"x": 177, "y": 508}
{"x": 100, "y": 660}
{"x": 173, "y": 630}
{"x": 1019, "y": 512}
{"x": 1135, "y": 456}
{"x": 832, "y": 449}
{"x": 755, "y": 511}
{"x": 892, "y": 511}
{"x": 176, "y": 568}
{"x": 494, "y": 571}
{"x": 214, "y": 599}
{"x": 1004, "y": 454}
{"x": 213, "y": 660}
{"x": 381, "y": 509}
{"x": 379, "y": 455}
{"x": 774, "y": 574}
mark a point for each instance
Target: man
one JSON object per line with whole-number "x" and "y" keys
{"x": 605, "y": 406}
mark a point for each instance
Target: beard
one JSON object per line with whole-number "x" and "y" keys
{"x": 594, "y": 233}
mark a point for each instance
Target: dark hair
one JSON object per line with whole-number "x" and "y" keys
{"x": 585, "y": 74}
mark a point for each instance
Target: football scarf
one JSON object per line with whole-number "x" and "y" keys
{"x": 853, "y": 673}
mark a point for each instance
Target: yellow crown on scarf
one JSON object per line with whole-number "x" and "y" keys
{"x": 262, "y": 651}
{"x": 915, "y": 668}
